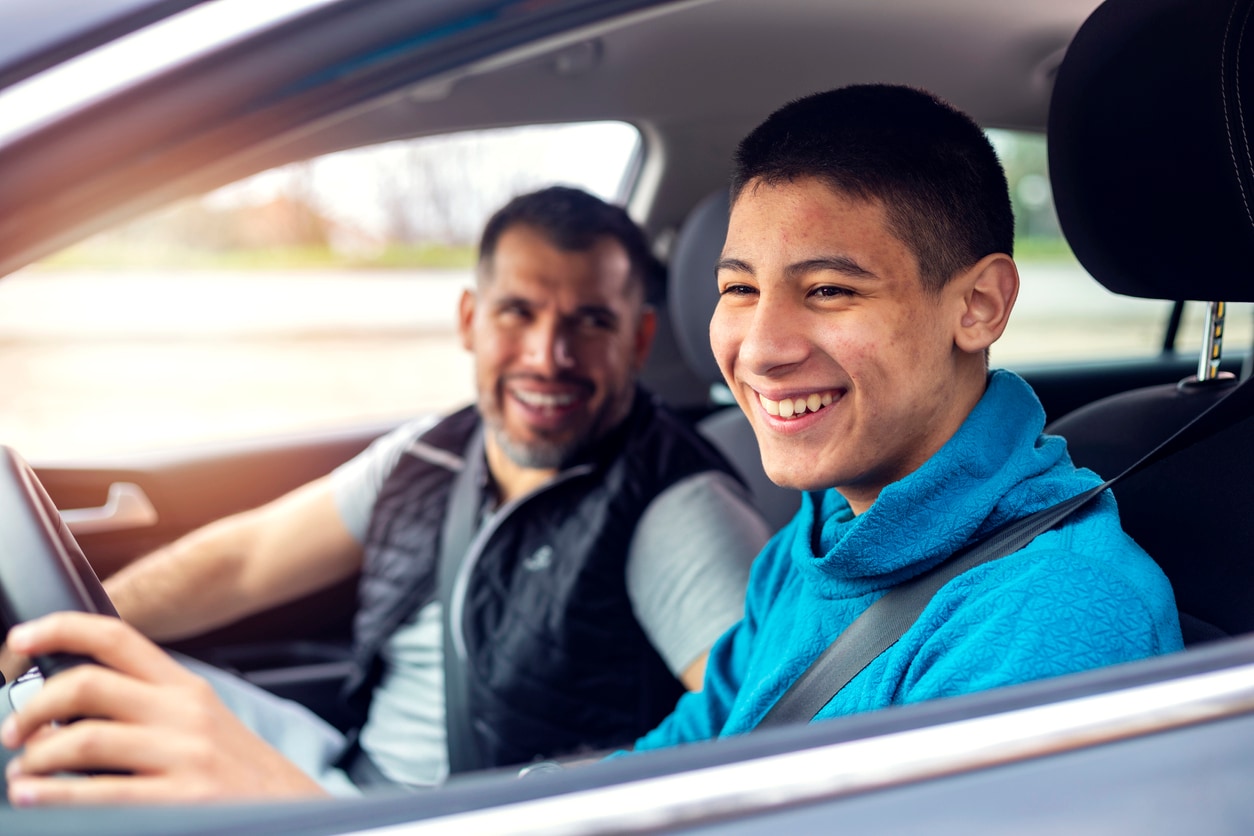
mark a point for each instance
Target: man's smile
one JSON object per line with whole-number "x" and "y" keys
{"x": 549, "y": 404}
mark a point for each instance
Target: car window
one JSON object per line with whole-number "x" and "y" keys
{"x": 316, "y": 295}
{"x": 1062, "y": 313}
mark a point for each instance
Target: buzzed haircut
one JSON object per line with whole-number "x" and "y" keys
{"x": 573, "y": 220}
{"x": 933, "y": 168}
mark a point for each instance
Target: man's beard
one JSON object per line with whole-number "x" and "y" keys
{"x": 555, "y": 453}
{"x": 539, "y": 455}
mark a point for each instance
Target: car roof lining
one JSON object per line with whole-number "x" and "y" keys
{"x": 692, "y": 99}
{"x": 693, "y": 48}
{"x": 40, "y": 35}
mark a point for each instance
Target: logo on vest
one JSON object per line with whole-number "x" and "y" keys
{"x": 540, "y": 559}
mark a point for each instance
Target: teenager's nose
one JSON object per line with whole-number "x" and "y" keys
{"x": 772, "y": 342}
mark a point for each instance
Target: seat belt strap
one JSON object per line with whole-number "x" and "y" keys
{"x": 887, "y": 619}
{"x": 461, "y": 520}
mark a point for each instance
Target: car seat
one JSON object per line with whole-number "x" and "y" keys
{"x": 1152, "y": 165}
{"x": 692, "y": 295}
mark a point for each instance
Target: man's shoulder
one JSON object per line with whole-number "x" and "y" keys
{"x": 448, "y": 431}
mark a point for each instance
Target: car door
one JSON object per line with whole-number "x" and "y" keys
{"x": 210, "y": 356}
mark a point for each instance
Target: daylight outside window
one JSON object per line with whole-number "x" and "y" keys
{"x": 1062, "y": 313}
{"x": 322, "y": 294}
{"x": 317, "y": 295}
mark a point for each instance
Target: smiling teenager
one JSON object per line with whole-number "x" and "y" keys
{"x": 867, "y": 270}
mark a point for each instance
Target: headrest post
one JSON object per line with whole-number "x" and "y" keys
{"x": 1212, "y": 342}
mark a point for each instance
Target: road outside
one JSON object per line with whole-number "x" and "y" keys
{"x": 121, "y": 361}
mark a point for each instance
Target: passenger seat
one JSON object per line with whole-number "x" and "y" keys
{"x": 1153, "y": 178}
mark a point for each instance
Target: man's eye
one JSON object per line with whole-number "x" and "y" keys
{"x": 514, "y": 312}
{"x": 600, "y": 321}
{"x": 737, "y": 290}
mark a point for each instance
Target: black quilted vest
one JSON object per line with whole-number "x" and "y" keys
{"x": 556, "y": 662}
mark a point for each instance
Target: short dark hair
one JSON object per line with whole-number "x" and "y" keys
{"x": 933, "y": 168}
{"x": 574, "y": 220}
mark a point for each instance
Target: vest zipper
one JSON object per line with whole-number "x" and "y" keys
{"x": 457, "y": 604}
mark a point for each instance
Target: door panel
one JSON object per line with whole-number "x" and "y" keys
{"x": 298, "y": 650}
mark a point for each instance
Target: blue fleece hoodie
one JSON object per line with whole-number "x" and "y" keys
{"x": 1080, "y": 596}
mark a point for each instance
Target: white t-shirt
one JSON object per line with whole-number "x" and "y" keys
{"x": 687, "y": 569}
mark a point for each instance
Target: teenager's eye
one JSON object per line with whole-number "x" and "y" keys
{"x": 737, "y": 290}
{"x": 828, "y": 291}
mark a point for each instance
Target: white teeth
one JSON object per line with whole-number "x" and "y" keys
{"x": 541, "y": 400}
{"x": 788, "y": 407}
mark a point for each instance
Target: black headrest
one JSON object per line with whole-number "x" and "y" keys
{"x": 692, "y": 292}
{"x": 1151, "y": 148}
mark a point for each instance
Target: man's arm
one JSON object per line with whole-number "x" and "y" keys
{"x": 151, "y": 730}
{"x": 239, "y": 565}
{"x": 231, "y": 568}
{"x": 689, "y": 565}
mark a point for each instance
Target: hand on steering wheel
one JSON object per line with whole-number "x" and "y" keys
{"x": 144, "y": 728}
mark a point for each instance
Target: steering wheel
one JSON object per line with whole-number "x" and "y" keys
{"x": 42, "y": 568}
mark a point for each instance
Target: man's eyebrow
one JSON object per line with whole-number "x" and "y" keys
{"x": 603, "y": 311}
{"x": 836, "y": 263}
{"x": 508, "y": 301}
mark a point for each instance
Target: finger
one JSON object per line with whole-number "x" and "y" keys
{"x": 12, "y": 665}
{"x": 110, "y": 641}
{"x": 163, "y": 766}
{"x": 98, "y": 746}
{"x": 33, "y": 791}
{"x": 90, "y": 691}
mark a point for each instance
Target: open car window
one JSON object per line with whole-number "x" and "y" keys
{"x": 1062, "y": 313}
{"x": 317, "y": 295}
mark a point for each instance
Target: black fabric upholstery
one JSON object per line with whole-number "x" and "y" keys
{"x": 1151, "y": 148}
{"x": 692, "y": 291}
{"x": 1192, "y": 515}
{"x": 1153, "y": 176}
{"x": 1098, "y": 434}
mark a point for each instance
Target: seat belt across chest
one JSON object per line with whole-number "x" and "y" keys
{"x": 461, "y": 521}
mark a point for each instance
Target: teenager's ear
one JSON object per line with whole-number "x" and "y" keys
{"x": 989, "y": 288}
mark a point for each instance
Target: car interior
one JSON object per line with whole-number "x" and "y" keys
{"x": 1180, "y": 107}
{"x": 1151, "y": 173}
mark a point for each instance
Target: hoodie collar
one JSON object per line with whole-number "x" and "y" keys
{"x": 986, "y": 474}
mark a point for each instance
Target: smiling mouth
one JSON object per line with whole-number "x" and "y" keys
{"x": 796, "y": 407}
{"x": 545, "y": 400}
